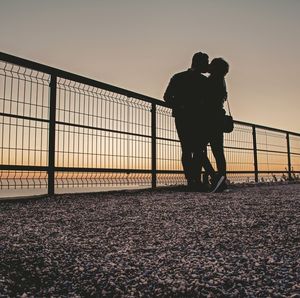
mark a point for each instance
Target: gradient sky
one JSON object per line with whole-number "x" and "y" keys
{"x": 140, "y": 44}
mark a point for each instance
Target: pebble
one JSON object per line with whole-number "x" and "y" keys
{"x": 153, "y": 243}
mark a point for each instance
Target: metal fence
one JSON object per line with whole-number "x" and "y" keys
{"x": 60, "y": 131}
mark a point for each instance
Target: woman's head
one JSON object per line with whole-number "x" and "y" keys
{"x": 218, "y": 66}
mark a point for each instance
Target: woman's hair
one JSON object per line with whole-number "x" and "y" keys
{"x": 219, "y": 66}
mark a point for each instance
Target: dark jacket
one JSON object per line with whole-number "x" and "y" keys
{"x": 186, "y": 93}
{"x": 216, "y": 94}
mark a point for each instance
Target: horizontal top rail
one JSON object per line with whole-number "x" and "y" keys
{"x": 91, "y": 82}
{"x": 267, "y": 128}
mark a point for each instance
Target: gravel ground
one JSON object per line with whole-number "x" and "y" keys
{"x": 244, "y": 243}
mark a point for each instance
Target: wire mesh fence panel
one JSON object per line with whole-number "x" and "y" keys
{"x": 271, "y": 141}
{"x": 295, "y": 144}
{"x": 295, "y": 155}
{"x": 238, "y": 147}
{"x": 24, "y": 109}
{"x": 102, "y": 130}
{"x": 23, "y": 142}
{"x": 239, "y": 178}
{"x": 23, "y": 92}
{"x": 79, "y": 147}
{"x": 84, "y": 105}
{"x": 241, "y": 137}
{"x": 22, "y": 183}
{"x": 168, "y": 179}
{"x": 22, "y": 179}
{"x": 93, "y": 181}
{"x": 168, "y": 150}
{"x": 168, "y": 146}
{"x": 60, "y": 129}
{"x": 165, "y": 124}
{"x": 272, "y": 154}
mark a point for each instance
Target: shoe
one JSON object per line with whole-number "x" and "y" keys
{"x": 197, "y": 187}
{"x": 220, "y": 185}
{"x": 191, "y": 183}
{"x": 201, "y": 187}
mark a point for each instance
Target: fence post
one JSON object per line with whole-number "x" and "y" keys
{"x": 153, "y": 144}
{"x": 51, "y": 153}
{"x": 255, "y": 153}
{"x": 289, "y": 155}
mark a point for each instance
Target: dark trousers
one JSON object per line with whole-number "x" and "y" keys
{"x": 193, "y": 140}
{"x": 217, "y": 147}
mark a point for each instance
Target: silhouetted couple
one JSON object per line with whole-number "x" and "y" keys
{"x": 197, "y": 105}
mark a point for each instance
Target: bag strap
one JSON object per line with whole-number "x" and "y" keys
{"x": 228, "y": 106}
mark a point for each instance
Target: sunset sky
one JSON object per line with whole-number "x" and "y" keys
{"x": 139, "y": 45}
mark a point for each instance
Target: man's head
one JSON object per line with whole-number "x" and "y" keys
{"x": 218, "y": 66}
{"x": 200, "y": 62}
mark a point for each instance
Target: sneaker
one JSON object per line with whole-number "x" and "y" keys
{"x": 220, "y": 185}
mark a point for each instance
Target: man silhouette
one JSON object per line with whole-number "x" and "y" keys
{"x": 186, "y": 95}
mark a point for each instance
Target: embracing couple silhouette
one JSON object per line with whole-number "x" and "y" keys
{"x": 197, "y": 106}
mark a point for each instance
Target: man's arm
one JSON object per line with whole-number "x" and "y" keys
{"x": 169, "y": 96}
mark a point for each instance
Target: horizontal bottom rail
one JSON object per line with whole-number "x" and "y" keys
{"x": 23, "y": 168}
{"x": 113, "y": 170}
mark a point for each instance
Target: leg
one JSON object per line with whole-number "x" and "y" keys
{"x": 187, "y": 155}
{"x": 217, "y": 147}
{"x": 186, "y": 159}
{"x": 209, "y": 170}
{"x": 200, "y": 160}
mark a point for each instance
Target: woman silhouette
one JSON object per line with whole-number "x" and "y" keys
{"x": 217, "y": 94}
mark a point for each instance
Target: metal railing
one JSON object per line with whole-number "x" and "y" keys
{"x": 61, "y": 130}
